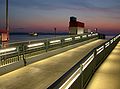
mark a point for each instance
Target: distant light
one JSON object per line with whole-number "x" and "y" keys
{"x": 96, "y": 33}
{"x": 91, "y": 32}
{"x": 34, "y": 45}
{"x": 107, "y": 44}
{"x": 7, "y": 50}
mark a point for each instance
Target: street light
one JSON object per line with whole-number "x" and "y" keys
{"x": 7, "y": 22}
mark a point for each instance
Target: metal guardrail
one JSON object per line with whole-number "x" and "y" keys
{"x": 83, "y": 70}
{"x": 22, "y": 50}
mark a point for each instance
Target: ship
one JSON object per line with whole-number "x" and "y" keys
{"x": 33, "y": 34}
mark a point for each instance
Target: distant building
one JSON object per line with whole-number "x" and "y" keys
{"x": 76, "y": 27}
{"x": 4, "y": 37}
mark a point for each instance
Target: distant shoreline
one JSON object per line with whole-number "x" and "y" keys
{"x": 41, "y": 33}
{"x": 21, "y": 33}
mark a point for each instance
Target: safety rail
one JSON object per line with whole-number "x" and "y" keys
{"x": 79, "y": 75}
{"x": 6, "y": 54}
{"x": 25, "y": 49}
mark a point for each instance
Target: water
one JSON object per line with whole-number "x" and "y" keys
{"x": 17, "y": 38}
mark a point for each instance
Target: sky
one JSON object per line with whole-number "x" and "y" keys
{"x": 45, "y": 15}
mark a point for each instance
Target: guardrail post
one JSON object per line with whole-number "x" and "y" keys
{"x": 73, "y": 40}
{"x": 62, "y": 42}
{"x": 18, "y": 52}
{"x": 23, "y": 54}
{"x": 46, "y": 45}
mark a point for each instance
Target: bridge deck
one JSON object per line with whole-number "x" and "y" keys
{"x": 41, "y": 74}
{"x": 108, "y": 75}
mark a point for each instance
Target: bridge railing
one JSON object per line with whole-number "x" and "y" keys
{"x": 79, "y": 75}
{"x": 25, "y": 49}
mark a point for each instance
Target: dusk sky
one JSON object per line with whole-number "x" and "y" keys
{"x": 45, "y": 15}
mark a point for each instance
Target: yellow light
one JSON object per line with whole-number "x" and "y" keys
{"x": 34, "y": 45}
{"x": 7, "y": 50}
{"x": 87, "y": 62}
{"x": 71, "y": 80}
{"x": 77, "y": 37}
{"x": 111, "y": 41}
{"x": 55, "y": 42}
{"x": 100, "y": 49}
{"x": 68, "y": 39}
{"x": 107, "y": 44}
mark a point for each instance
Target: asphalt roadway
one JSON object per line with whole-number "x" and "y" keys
{"x": 108, "y": 74}
{"x": 41, "y": 74}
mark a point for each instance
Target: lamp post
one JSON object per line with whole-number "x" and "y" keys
{"x": 5, "y": 33}
{"x": 55, "y": 31}
{"x": 7, "y": 23}
{"x": 7, "y": 20}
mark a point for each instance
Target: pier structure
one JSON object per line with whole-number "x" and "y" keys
{"x": 4, "y": 33}
{"x": 68, "y": 63}
{"x": 76, "y": 27}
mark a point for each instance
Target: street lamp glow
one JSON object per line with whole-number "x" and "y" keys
{"x": 68, "y": 39}
{"x": 7, "y": 50}
{"x": 34, "y": 45}
{"x": 55, "y": 42}
{"x": 77, "y": 37}
{"x": 100, "y": 49}
{"x": 84, "y": 36}
{"x": 87, "y": 62}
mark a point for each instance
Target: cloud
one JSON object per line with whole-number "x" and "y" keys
{"x": 98, "y": 5}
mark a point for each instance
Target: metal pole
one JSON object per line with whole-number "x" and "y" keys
{"x": 55, "y": 31}
{"x": 23, "y": 46}
{"x": 7, "y": 23}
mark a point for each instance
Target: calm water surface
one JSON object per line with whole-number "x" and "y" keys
{"x": 17, "y": 38}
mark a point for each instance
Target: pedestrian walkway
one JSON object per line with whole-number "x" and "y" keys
{"x": 43, "y": 73}
{"x": 108, "y": 74}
